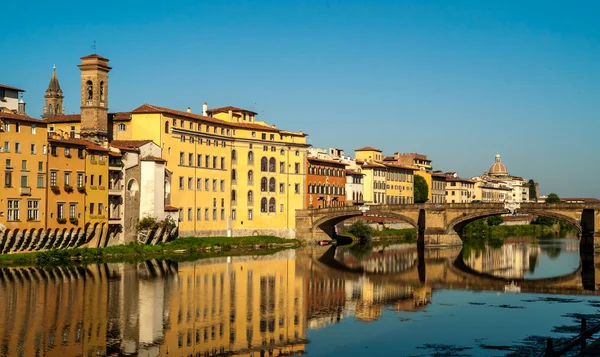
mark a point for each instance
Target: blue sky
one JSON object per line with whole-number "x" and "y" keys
{"x": 457, "y": 80}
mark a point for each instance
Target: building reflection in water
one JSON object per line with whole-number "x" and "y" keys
{"x": 242, "y": 306}
{"x": 510, "y": 261}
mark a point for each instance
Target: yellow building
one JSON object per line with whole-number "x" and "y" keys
{"x": 231, "y": 175}
{"x": 459, "y": 190}
{"x": 399, "y": 184}
{"x": 96, "y": 172}
{"x": 375, "y": 172}
{"x": 23, "y": 159}
{"x": 66, "y": 183}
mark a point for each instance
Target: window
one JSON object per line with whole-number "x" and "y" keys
{"x": 80, "y": 153}
{"x": 180, "y": 214}
{"x": 99, "y": 180}
{"x": 6, "y": 122}
{"x": 40, "y": 166}
{"x": 263, "y": 164}
{"x": 18, "y": 148}
{"x": 67, "y": 178}
{"x": 167, "y": 126}
{"x": 214, "y": 215}
{"x": 263, "y": 184}
{"x": 281, "y": 188}
{"x": 297, "y": 168}
{"x": 198, "y": 214}
{"x": 222, "y": 163}
{"x": 60, "y": 210}
{"x": 297, "y": 153}
{"x": 6, "y": 146}
{"x": 53, "y": 178}
{"x": 272, "y": 164}
{"x": 122, "y": 127}
{"x": 206, "y": 184}
{"x": 250, "y": 198}
{"x": 100, "y": 209}
{"x": 250, "y": 214}
{"x": 281, "y": 208}
{"x": 199, "y": 160}
{"x": 250, "y": 177}
{"x": 67, "y": 152}
{"x": 282, "y": 167}
{"x": 33, "y": 210}
{"x": 199, "y": 184}
{"x": 40, "y": 181}
{"x": 233, "y": 214}
{"x": 207, "y": 161}
{"x": 272, "y": 204}
{"x": 250, "y": 158}
{"x": 80, "y": 180}
{"x": 272, "y": 137}
{"x": 206, "y": 214}
{"x": 181, "y": 182}
{"x": 214, "y": 162}
{"x": 190, "y": 183}
{"x": 234, "y": 157}
{"x": 17, "y": 127}
{"x": 214, "y": 182}
{"x": 263, "y": 204}
{"x": 13, "y": 210}
{"x": 24, "y": 165}
{"x": 33, "y": 128}
{"x": 24, "y": 180}
{"x": 272, "y": 184}
{"x": 33, "y": 151}
{"x": 189, "y": 210}
{"x": 233, "y": 196}
{"x": 191, "y": 159}
{"x": 253, "y": 134}
{"x": 222, "y": 214}
{"x": 72, "y": 210}
{"x": 182, "y": 123}
{"x": 233, "y": 176}
{"x": 297, "y": 188}
{"x": 181, "y": 158}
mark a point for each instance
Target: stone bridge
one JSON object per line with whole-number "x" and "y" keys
{"x": 442, "y": 224}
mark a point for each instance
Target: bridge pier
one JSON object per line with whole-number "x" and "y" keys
{"x": 433, "y": 237}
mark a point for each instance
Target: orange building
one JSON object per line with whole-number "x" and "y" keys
{"x": 326, "y": 183}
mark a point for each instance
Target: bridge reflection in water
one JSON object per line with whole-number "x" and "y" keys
{"x": 240, "y": 306}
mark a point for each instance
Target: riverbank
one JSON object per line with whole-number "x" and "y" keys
{"x": 179, "y": 249}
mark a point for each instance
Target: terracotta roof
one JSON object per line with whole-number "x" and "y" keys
{"x": 13, "y": 88}
{"x": 438, "y": 174}
{"x": 227, "y": 109}
{"x": 368, "y": 148}
{"x": 171, "y": 208}
{"x": 4, "y": 115}
{"x": 54, "y": 86}
{"x": 153, "y": 158}
{"x": 372, "y": 164}
{"x": 130, "y": 145}
{"x": 458, "y": 179}
{"x": 316, "y": 159}
{"x": 148, "y": 108}
{"x": 389, "y": 164}
{"x": 88, "y": 144}
{"x": 352, "y": 172}
{"x": 94, "y": 56}
{"x": 115, "y": 154}
{"x": 76, "y": 118}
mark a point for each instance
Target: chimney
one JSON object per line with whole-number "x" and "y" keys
{"x": 204, "y": 108}
{"x": 189, "y": 110}
{"x": 21, "y": 106}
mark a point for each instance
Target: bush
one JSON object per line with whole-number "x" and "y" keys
{"x": 361, "y": 230}
{"x": 61, "y": 220}
{"x": 146, "y": 223}
{"x": 74, "y": 220}
{"x": 495, "y": 220}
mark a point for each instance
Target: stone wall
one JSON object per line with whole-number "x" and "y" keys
{"x": 277, "y": 232}
{"x": 98, "y": 236}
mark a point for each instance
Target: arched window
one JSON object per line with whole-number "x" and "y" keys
{"x": 263, "y": 164}
{"x": 50, "y": 109}
{"x": 89, "y": 90}
{"x": 353, "y": 196}
{"x": 272, "y": 164}
{"x": 263, "y": 204}
{"x": 282, "y": 152}
{"x": 263, "y": 184}
{"x": 233, "y": 175}
{"x": 250, "y": 198}
{"x": 121, "y": 127}
{"x": 233, "y": 156}
{"x": 167, "y": 127}
{"x": 272, "y": 184}
{"x": 250, "y": 158}
{"x": 272, "y": 205}
{"x": 102, "y": 91}
{"x": 233, "y": 196}
{"x": 250, "y": 177}
{"x": 310, "y": 188}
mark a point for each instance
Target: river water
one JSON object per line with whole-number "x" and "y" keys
{"x": 324, "y": 301}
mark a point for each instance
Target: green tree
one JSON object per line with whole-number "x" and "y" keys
{"x": 544, "y": 221}
{"x": 552, "y": 198}
{"x": 361, "y": 231}
{"x": 495, "y": 220}
{"x": 532, "y": 191}
{"x": 421, "y": 189}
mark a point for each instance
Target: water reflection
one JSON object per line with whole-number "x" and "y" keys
{"x": 254, "y": 306}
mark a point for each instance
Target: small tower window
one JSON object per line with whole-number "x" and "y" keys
{"x": 102, "y": 91}
{"x": 90, "y": 90}
{"x": 122, "y": 127}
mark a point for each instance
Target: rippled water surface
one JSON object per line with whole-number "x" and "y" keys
{"x": 325, "y": 301}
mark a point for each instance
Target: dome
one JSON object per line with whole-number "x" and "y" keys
{"x": 498, "y": 168}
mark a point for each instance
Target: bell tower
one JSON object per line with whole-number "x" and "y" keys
{"x": 54, "y": 97}
{"x": 94, "y": 98}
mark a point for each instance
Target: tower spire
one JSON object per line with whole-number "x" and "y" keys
{"x": 54, "y": 97}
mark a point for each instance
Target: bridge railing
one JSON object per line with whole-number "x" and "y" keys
{"x": 481, "y": 205}
{"x": 579, "y": 340}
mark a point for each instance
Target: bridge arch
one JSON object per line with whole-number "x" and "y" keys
{"x": 458, "y": 223}
{"x": 328, "y": 222}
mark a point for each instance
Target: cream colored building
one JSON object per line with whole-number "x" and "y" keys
{"x": 459, "y": 190}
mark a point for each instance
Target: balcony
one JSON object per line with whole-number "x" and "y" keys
{"x": 115, "y": 189}
{"x": 25, "y": 191}
{"x": 115, "y": 165}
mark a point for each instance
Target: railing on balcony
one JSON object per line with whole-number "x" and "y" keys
{"x": 25, "y": 191}
{"x": 115, "y": 188}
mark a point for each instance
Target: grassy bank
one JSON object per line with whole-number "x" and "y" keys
{"x": 179, "y": 249}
